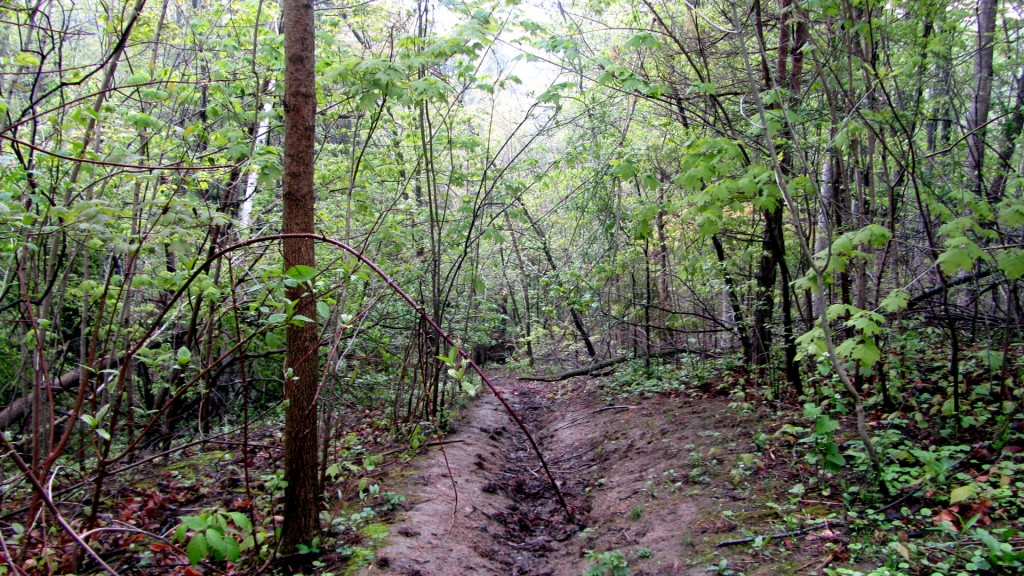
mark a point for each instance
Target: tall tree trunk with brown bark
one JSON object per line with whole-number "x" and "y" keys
{"x": 977, "y": 113}
{"x": 301, "y": 507}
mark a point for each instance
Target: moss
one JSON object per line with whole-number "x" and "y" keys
{"x": 188, "y": 468}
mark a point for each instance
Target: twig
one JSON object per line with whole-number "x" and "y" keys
{"x": 249, "y": 444}
{"x": 901, "y": 499}
{"x": 44, "y": 495}
{"x": 822, "y": 524}
{"x": 825, "y": 523}
{"x": 427, "y": 445}
{"x": 584, "y": 416}
{"x": 125, "y": 468}
{"x": 576, "y": 455}
{"x": 831, "y": 558}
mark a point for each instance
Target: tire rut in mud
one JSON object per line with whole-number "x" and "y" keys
{"x": 505, "y": 518}
{"x": 534, "y": 523}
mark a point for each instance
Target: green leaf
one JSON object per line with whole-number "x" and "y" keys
{"x": 323, "y": 309}
{"x": 991, "y": 359}
{"x": 300, "y": 320}
{"x": 834, "y": 461}
{"x": 216, "y": 541}
{"x": 193, "y": 522}
{"x": 429, "y": 88}
{"x": 137, "y": 78}
{"x": 184, "y": 355}
{"x": 825, "y": 425}
{"x": 960, "y": 494}
{"x": 1011, "y": 263}
{"x": 961, "y": 254}
{"x": 232, "y": 551}
{"x": 866, "y": 352}
{"x": 552, "y": 95}
{"x": 27, "y": 59}
{"x": 993, "y": 543}
{"x": 623, "y": 169}
{"x": 301, "y": 273}
{"x": 367, "y": 102}
{"x": 197, "y": 549}
{"x": 274, "y": 339}
{"x": 650, "y": 181}
{"x": 153, "y": 95}
{"x": 643, "y": 40}
{"x": 838, "y": 310}
{"x": 1011, "y": 213}
{"x": 812, "y": 343}
{"x": 333, "y": 470}
{"x": 948, "y": 407}
{"x": 143, "y": 121}
{"x": 269, "y": 173}
{"x": 242, "y": 521}
{"x": 643, "y": 229}
{"x": 896, "y": 300}
{"x": 867, "y": 322}
{"x": 872, "y": 234}
{"x": 103, "y": 434}
{"x": 706, "y": 88}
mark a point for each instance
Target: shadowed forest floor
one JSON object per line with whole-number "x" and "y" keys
{"x": 654, "y": 483}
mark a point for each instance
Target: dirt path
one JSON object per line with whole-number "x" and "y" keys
{"x": 647, "y": 480}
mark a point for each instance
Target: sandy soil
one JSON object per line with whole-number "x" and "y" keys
{"x": 658, "y": 480}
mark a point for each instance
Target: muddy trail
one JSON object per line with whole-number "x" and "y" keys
{"x": 653, "y": 485}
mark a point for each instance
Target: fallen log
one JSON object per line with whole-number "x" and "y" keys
{"x": 590, "y": 369}
{"x": 22, "y": 407}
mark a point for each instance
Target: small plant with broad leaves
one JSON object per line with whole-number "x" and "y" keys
{"x": 609, "y": 563}
{"x": 217, "y": 535}
{"x": 825, "y": 451}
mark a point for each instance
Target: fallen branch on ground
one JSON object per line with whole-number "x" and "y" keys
{"x": 21, "y": 407}
{"x": 818, "y": 526}
{"x": 427, "y": 445}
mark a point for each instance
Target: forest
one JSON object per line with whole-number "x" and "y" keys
{"x": 259, "y": 258}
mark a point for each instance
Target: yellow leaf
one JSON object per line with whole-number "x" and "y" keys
{"x": 960, "y": 494}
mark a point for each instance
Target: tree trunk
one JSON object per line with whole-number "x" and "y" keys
{"x": 977, "y": 114}
{"x": 734, "y": 300}
{"x": 1011, "y": 132}
{"x": 301, "y": 507}
{"x": 524, "y": 284}
{"x": 764, "y": 294}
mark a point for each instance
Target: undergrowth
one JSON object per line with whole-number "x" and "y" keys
{"x": 950, "y": 499}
